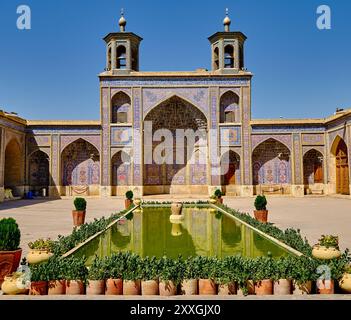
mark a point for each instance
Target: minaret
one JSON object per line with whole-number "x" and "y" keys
{"x": 122, "y": 50}
{"x": 227, "y": 49}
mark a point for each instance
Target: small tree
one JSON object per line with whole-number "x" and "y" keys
{"x": 129, "y": 195}
{"x": 80, "y": 204}
{"x": 260, "y": 203}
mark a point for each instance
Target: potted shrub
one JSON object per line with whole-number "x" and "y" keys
{"x": 226, "y": 276}
{"x": 170, "y": 275}
{"x": 208, "y": 269}
{"x": 149, "y": 276}
{"x": 244, "y": 268}
{"x": 218, "y": 194}
{"x": 132, "y": 275}
{"x": 10, "y": 253}
{"x": 282, "y": 275}
{"x": 39, "y": 279}
{"x": 263, "y": 275}
{"x": 96, "y": 278}
{"x": 114, "y": 266}
{"x": 55, "y": 276}
{"x": 337, "y": 269}
{"x": 129, "y": 199}
{"x": 40, "y": 251}
{"x": 261, "y": 212}
{"x": 303, "y": 273}
{"x": 327, "y": 248}
{"x": 75, "y": 273}
{"x": 80, "y": 205}
{"x": 191, "y": 275}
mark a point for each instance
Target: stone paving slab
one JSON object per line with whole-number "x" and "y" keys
{"x": 313, "y": 215}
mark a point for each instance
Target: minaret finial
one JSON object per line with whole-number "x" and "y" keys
{"x": 122, "y": 22}
{"x": 226, "y": 21}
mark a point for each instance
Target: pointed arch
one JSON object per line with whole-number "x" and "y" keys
{"x": 14, "y": 167}
{"x": 340, "y": 162}
{"x": 171, "y": 96}
{"x": 229, "y": 107}
{"x": 121, "y": 169}
{"x": 313, "y": 167}
{"x": 271, "y": 163}
{"x": 230, "y": 168}
{"x": 38, "y": 170}
{"x": 229, "y": 56}
{"x": 121, "y": 108}
{"x": 80, "y": 163}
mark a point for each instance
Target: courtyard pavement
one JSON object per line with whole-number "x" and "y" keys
{"x": 314, "y": 216}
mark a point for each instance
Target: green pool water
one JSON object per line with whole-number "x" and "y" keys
{"x": 203, "y": 231}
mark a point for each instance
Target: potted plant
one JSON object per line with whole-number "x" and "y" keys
{"x": 132, "y": 275}
{"x": 208, "y": 268}
{"x": 40, "y": 251}
{"x": 282, "y": 275}
{"x": 191, "y": 275}
{"x": 129, "y": 199}
{"x": 327, "y": 248}
{"x": 80, "y": 205}
{"x": 213, "y": 199}
{"x": 114, "y": 266}
{"x": 263, "y": 275}
{"x": 243, "y": 271}
{"x": 39, "y": 279}
{"x": 170, "y": 276}
{"x": 345, "y": 281}
{"x": 149, "y": 276}
{"x": 75, "y": 273}
{"x": 261, "y": 212}
{"x": 303, "y": 273}
{"x": 218, "y": 194}
{"x": 14, "y": 284}
{"x": 337, "y": 270}
{"x": 96, "y": 278}
{"x": 10, "y": 253}
{"x": 226, "y": 276}
{"x": 55, "y": 276}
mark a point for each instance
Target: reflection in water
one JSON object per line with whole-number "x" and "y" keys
{"x": 151, "y": 233}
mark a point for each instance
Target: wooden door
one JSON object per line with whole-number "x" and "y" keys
{"x": 229, "y": 178}
{"x": 318, "y": 172}
{"x": 342, "y": 169}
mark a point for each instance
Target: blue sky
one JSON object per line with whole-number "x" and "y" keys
{"x": 50, "y": 72}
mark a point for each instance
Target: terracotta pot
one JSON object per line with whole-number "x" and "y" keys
{"x": 282, "y": 287}
{"x": 95, "y": 287}
{"x": 128, "y": 203}
{"x": 149, "y": 288}
{"x": 250, "y": 288}
{"x": 38, "y": 288}
{"x": 75, "y": 287}
{"x": 167, "y": 288}
{"x": 38, "y": 255}
{"x": 264, "y": 287}
{"x": 56, "y": 287}
{"x": 303, "y": 288}
{"x": 189, "y": 287}
{"x": 131, "y": 287}
{"x": 114, "y": 287}
{"x": 176, "y": 208}
{"x": 227, "y": 289}
{"x": 10, "y": 286}
{"x": 9, "y": 262}
{"x": 345, "y": 283}
{"x": 207, "y": 287}
{"x": 325, "y": 286}
{"x": 324, "y": 253}
{"x": 78, "y": 218}
{"x": 261, "y": 215}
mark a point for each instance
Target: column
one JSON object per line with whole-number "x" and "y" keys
{"x": 113, "y": 55}
{"x": 297, "y": 164}
{"x": 54, "y": 189}
{"x": 105, "y": 189}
